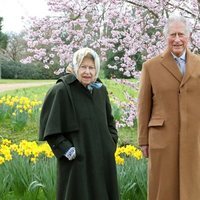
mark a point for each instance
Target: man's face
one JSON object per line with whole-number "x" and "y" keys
{"x": 177, "y": 39}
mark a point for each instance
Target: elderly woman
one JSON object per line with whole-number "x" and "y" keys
{"x": 77, "y": 122}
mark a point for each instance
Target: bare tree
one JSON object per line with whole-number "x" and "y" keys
{"x": 16, "y": 48}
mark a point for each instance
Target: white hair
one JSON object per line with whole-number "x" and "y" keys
{"x": 177, "y": 18}
{"x": 81, "y": 54}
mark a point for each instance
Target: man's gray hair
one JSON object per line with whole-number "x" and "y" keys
{"x": 177, "y": 18}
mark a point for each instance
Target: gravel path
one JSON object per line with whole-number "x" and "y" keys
{"x": 13, "y": 86}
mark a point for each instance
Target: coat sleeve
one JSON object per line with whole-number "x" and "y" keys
{"x": 110, "y": 119}
{"x": 59, "y": 144}
{"x": 57, "y": 120}
{"x": 144, "y": 106}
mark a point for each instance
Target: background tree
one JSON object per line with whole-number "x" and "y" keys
{"x": 3, "y": 37}
{"x": 16, "y": 47}
{"x": 126, "y": 32}
{"x": 3, "y": 44}
{"x": 12, "y": 68}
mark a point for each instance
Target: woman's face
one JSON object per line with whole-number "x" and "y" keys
{"x": 86, "y": 71}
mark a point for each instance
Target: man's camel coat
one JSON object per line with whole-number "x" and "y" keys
{"x": 169, "y": 122}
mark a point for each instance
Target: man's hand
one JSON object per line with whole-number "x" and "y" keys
{"x": 145, "y": 150}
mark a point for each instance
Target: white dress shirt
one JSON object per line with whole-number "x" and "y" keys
{"x": 181, "y": 62}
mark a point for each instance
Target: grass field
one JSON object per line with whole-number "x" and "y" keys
{"x": 127, "y": 135}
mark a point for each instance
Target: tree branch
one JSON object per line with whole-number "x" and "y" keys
{"x": 143, "y": 6}
{"x": 154, "y": 14}
{"x": 187, "y": 11}
{"x": 76, "y": 17}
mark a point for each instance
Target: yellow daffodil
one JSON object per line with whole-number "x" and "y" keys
{"x": 33, "y": 151}
{"x": 2, "y": 160}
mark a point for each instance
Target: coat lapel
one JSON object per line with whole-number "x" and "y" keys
{"x": 170, "y": 64}
{"x": 190, "y": 66}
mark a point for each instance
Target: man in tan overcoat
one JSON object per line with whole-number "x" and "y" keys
{"x": 169, "y": 117}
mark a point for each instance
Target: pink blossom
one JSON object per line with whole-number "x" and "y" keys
{"x": 114, "y": 26}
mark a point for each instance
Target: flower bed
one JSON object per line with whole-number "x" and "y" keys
{"x": 28, "y": 170}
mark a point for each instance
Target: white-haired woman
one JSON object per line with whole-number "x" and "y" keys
{"x": 77, "y": 122}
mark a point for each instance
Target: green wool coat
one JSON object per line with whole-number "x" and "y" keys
{"x": 72, "y": 116}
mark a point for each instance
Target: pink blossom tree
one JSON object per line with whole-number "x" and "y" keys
{"x": 121, "y": 28}
{"x": 126, "y": 26}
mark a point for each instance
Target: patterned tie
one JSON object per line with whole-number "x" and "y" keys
{"x": 181, "y": 65}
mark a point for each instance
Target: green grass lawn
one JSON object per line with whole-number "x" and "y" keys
{"x": 37, "y": 92}
{"x": 127, "y": 135}
{"x": 118, "y": 89}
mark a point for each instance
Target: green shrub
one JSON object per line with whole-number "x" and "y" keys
{"x": 17, "y": 70}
